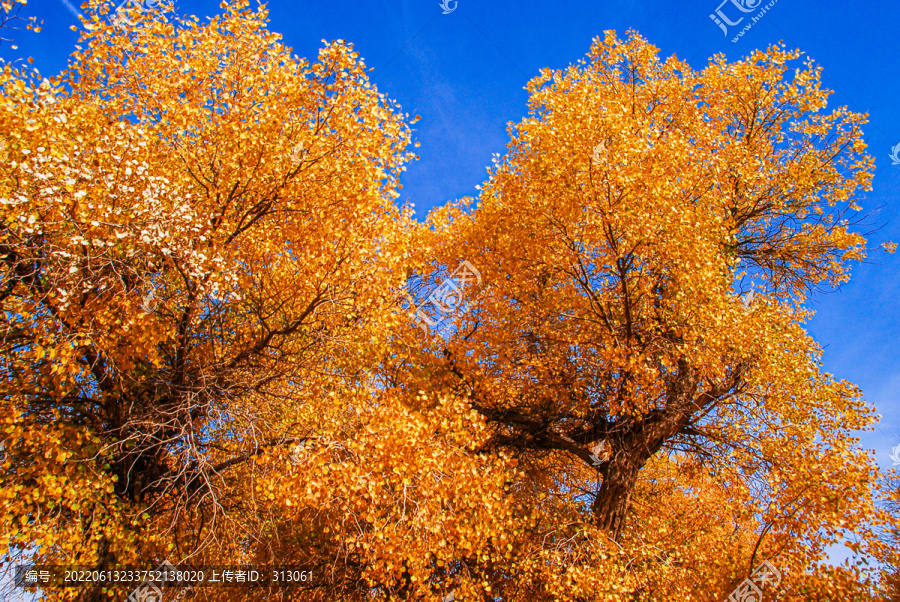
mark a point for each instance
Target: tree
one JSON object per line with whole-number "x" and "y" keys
{"x": 647, "y": 246}
{"x": 10, "y": 16}
{"x": 209, "y": 357}
{"x": 194, "y": 223}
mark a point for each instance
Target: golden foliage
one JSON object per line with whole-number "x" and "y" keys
{"x": 208, "y": 353}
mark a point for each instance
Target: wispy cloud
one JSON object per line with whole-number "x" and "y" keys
{"x": 71, "y": 8}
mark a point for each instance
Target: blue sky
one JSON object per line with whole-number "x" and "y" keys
{"x": 464, "y": 73}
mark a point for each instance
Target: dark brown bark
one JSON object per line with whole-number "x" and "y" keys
{"x": 631, "y": 441}
{"x": 105, "y": 559}
{"x": 643, "y": 438}
{"x": 613, "y": 501}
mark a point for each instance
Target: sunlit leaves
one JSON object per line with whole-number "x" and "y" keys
{"x": 208, "y": 353}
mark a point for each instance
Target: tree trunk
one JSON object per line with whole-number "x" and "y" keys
{"x": 611, "y": 505}
{"x": 105, "y": 559}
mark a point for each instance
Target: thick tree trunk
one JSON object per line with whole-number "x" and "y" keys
{"x": 636, "y": 446}
{"x": 613, "y": 501}
{"x": 105, "y": 559}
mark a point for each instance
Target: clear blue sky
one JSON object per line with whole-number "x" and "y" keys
{"x": 464, "y": 73}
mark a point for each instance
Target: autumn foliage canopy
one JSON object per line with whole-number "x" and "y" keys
{"x": 210, "y": 351}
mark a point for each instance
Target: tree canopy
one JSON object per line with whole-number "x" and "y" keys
{"x": 219, "y": 342}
